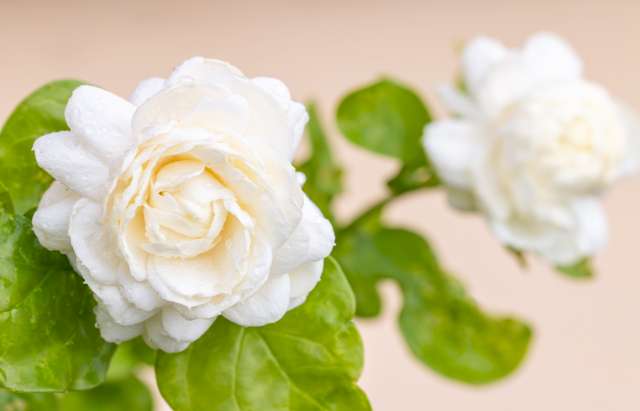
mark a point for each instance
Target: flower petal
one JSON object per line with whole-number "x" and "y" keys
{"x": 266, "y": 186}
{"x": 222, "y": 271}
{"x": 62, "y": 156}
{"x": 478, "y": 57}
{"x": 561, "y": 244}
{"x": 212, "y": 108}
{"x": 303, "y": 280}
{"x": 180, "y": 328}
{"x": 551, "y": 58}
{"x": 631, "y": 123}
{"x": 592, "y": 229}
{"x": 312, "y": 240}
{"x": 269, "y": 122}
{"x": 296, "y": 112}
{"x": 266, "y": 306}
{"x": 113, "y": 332}
{"x": 51, "y": 219}
{"x": 93, "y": 247}
{"x": 452, "y": 146}
{"x": 147, "y": 88}
{"x": 102, "y": 122}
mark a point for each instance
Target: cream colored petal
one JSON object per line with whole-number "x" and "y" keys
{"x": 214, "y": 307}
{"x": 303, "y": 281}
{"x": 193, "y": 281}
{"x": 113, "y": 332}
{"x": 266, "y": 187}
{"x": 269, "y": 123}
{"x": 156, "y": 337}
{"x": 93, "y": 246}
{"x": 171, "y": 332}
{"x": 180, "y": 328}
{"x": 584, "y": 232}
{"x": 312, "y": 240}
{"x": 140, "y": 294}
{"x": 212, "y": 108}
{"x": 102, "y": 122}
{"x": 453, "y": 146}
{"x": 631, "y": 123}
{"x": 131, "y": 247}
{"x": 51, "y": 219}
{"x": 146, "y": 89}
{"x": 478, "y": 58}
{"x": 551, "y": 58}
{"x": 62, "y": 156}
{"x": 204, "y": 71}
{"x": 176, "y": 173}
{"x": 267, "y": 305}
{"x": 296, "y": 113}
{"x": 592, "y": 231}
{"x": 113, "y": 300}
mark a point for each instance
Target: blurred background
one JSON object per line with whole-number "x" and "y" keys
{"x": 586, "y": 353}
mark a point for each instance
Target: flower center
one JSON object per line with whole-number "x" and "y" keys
{"x": 185, "y": 210}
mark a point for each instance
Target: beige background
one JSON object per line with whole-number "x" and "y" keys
{"x": 586, "y": 354}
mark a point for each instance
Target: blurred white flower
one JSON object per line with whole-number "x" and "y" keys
{"x": 532, "y": 145}
{"x": 182, "y": 204}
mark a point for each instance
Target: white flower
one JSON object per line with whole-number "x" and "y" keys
{"x": 532, "y": 144}
{"x": 182, "y": 204}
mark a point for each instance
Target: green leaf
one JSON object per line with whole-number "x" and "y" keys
{"x": 10, "y": 401}
{"x": 128, "y": 394}
{"x": 413, "y": 177}
{"x": 307, "y": 361}
{"x": 324, "y": 175}
{"x": 581, "y": 270}
{"x": 130, "y": 356}
{"x": 442, "y": 325}
{"x": 48, "y": 337}
{"x": 387, "y": 118}
{"x": 40, "y": 113}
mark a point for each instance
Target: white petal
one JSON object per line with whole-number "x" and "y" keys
{"x": 266, "y": 186}
{"x": 276, "y": 88}
{"x": 478, "y": 58}
{"x": 140, "y": 294}
{"x": 51, "y": 220}
{"x": 312, "y": 240}
{"x": 156, "y": 337}
{"x": 296, "y": 112}
{"x": 204, "y": 71}
{"x": 171, "y": 332}
{"x": 592, "y": 230}
{"x": 180, "y": 328}
{"x": 235, "y": 263}
{"x": 582, "y": 236}
{"x": 113, "y": 332}
{"x": 266, "y": 306}
{"x": 551, "y": 58}
{"x": 62, "y": 156}
{"x": 303, "y": 281}
{"x": 147, "y": 88}
{"x": 102, "y": 121}
{"x": 269, "y": 122}
{"x": 631, "y": 124}
{"x": 452, "y": 146}
{"x": 298, "y": 119}
{"x": 458, "y": 103}
{"x": 112, "y": 299}
{"x": 94, "y": 248}
{"x": 210, "y": 108}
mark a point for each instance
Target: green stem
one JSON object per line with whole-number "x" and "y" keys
{"x": 378, "y": 206}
